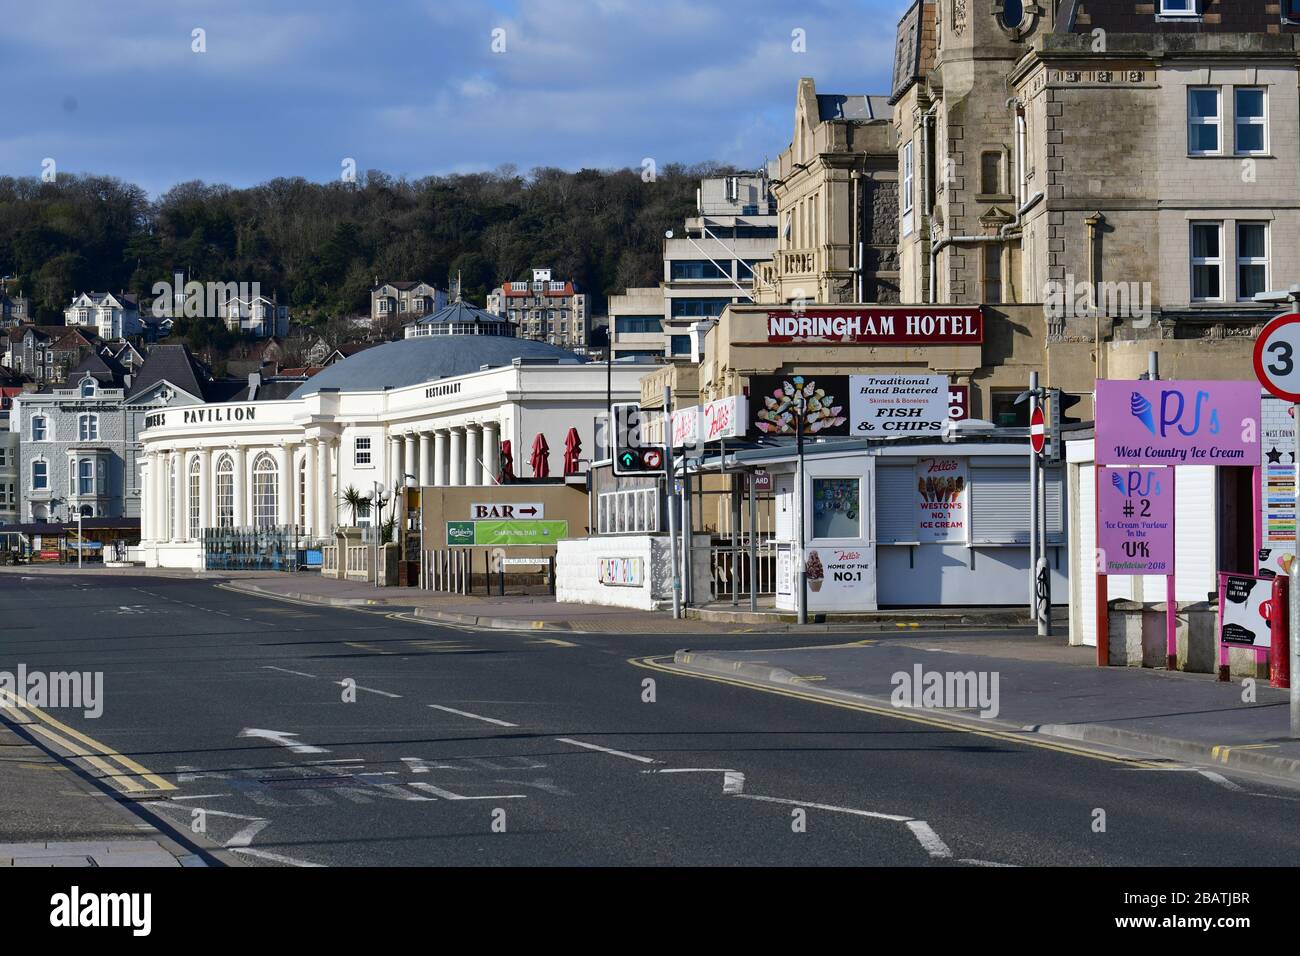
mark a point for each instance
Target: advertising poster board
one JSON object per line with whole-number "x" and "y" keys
{"x": 1135, "y": 520}
{"x": 1245, "y": 610}
{"x": 942, "y": 487}
{"x": 1177, "y": 423}
{"x": 1277, "y": 491}
{"x": 892, "y": 405}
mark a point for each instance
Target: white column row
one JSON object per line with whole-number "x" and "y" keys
{"x": 467, "y": 455}
{"x": 165, "y": 509}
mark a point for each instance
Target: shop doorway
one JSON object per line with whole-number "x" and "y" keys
{"x": 1236, "y": 525}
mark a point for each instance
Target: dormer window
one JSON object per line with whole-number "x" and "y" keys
{"x": 1179, "y": 8}
{"x": 88, "y": 388}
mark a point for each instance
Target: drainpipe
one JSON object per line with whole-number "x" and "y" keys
{"x": 1005, "y": 234}
{"x": 927, "y": 175}
{"x": 1092, "y": 222}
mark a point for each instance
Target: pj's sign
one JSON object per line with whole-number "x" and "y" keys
{"x": 1178, "y": 423}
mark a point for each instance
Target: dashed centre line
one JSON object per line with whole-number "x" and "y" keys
{"x": 466, "y": 713}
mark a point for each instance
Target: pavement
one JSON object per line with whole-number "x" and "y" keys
{"x": 55, "y": 816}
{"x": 1045, "y": 688}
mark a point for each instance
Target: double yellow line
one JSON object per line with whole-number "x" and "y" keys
{"x": 929, "y": 719}
{"x": 120, "y": 771}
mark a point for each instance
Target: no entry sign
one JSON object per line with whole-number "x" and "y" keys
{"x": 1277, "y": 357}
{"x": 1037, "y": 431}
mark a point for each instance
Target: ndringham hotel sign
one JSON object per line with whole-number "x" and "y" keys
{"x": 887, "y": 326}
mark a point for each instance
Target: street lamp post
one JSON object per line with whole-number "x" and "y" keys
{"x": 80, "y": 540}
{"x": 802, "y": 596}
{"x": 377, "y": 502}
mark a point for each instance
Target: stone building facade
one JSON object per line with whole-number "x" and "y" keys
{"x": 1132, "y": 167}
{"x": 836, "y": 190}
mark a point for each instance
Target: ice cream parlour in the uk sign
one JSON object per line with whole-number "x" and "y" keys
{"x": 1145, "y": 432}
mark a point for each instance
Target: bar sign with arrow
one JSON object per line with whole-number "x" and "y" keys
{"x": 506, "y": 510}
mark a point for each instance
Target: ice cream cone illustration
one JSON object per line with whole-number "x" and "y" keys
{"x": 816, "y": 574}
{"x": 1141, "y": 409}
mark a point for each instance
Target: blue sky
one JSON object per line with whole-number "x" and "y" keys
{"x": 413, "y": 87}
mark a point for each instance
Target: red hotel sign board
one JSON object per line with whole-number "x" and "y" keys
{"x": 885, "y": 326}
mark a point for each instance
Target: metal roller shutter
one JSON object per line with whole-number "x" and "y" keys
{"x": 895, "y": 503}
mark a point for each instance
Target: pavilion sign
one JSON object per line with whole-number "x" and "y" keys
{"x": 878, "y": 326}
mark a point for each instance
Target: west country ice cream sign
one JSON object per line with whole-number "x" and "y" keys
{"x": 1178, "y": 423}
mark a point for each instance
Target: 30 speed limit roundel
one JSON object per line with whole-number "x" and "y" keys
{"x": 1277, "y": 357}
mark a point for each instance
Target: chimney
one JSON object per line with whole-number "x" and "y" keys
{"x": 254, "y": 383}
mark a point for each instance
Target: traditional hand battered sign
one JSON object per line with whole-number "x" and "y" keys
{"x": 879, "y": 326}
{"x": 1135, "y": 521}
{"x": 1277, "y": 357}
{"x": 1177, "y": 423}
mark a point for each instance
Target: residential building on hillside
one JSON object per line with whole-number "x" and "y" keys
{"x": 545, "y": 309}
{"x": 9, "y": 471}
{"x": 258, "y": 315}
{"x": 108, "y": 315}
{"x": 14, "y": 309}
{"x": 404, "y": 300}
{"x": 46, "y": 352}
{"x": 712, "y": 261}
{"x": 836, "y": 190}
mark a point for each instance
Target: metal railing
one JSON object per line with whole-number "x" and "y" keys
{"x": 729, "y": 569}
{"x": 273, "y": 548}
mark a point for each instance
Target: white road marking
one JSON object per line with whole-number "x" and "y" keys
{"x": 371, "y": 690}
{"x": 283, "y": 738}
{"x": 285, "y": 670}
{"x": 985, "y": 863}
{"x": 826, "y": 806}
{"x": 273, "y": 857}
{"x": 733, "y": 783}
{"x": 448, "y": 795}
{"x": 605, "y": 750}
{"x": 202, "y": 796}
{"x": 926, "y": 836}
{"x": 1220, "y": 779}
{"x": 466, "y": 713}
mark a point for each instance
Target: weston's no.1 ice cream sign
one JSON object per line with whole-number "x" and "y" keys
{"x": 1178, "y": 423}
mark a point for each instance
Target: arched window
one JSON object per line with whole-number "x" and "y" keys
{"x": 87, "y": 388}
{"x": 225, "y": 492}
{"x": 265, "y": 499}
{"x": 195, "y": 492}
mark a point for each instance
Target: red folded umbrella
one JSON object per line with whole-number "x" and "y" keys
{"x": 541, "y": 457}
{"x": 572, "y": 451}
{"x": 507, "y": 464}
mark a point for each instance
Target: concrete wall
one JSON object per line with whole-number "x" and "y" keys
{"x": 577, "y": 579}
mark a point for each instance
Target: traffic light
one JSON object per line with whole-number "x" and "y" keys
{"x": 1060, "y": 402}
{"x": 631, "y": 455}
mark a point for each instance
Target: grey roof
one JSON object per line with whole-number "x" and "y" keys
{"x": 459, "y": 311}
{"x": 838, "y": 106}
{"x": 172, "y": 363}
{"x": 425, "y": 358}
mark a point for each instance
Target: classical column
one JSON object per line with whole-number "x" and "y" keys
{"x": 206, "y": 458}
{"x": 440, "y": 458}
{"x": 473, "y": 470}
{"x": 456, "y": 459}
{"x": 491, "y": 453}
{"x": 410, "y": 463}
{"x": 159, "y": 496}
{"x": 284, "y": 494}
{"x": 425, "y": 474}
{"x": 182, "y": 525}
{"x": 320, "y": 458}
{"x": 239, "y": 487}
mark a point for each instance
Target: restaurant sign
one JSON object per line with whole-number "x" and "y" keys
{"x": 878, "y": 326}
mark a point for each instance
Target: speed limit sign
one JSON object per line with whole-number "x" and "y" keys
{"x": 1277, "y": 357}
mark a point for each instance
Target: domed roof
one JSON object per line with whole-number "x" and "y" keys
{"x": 426, "y": 358}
